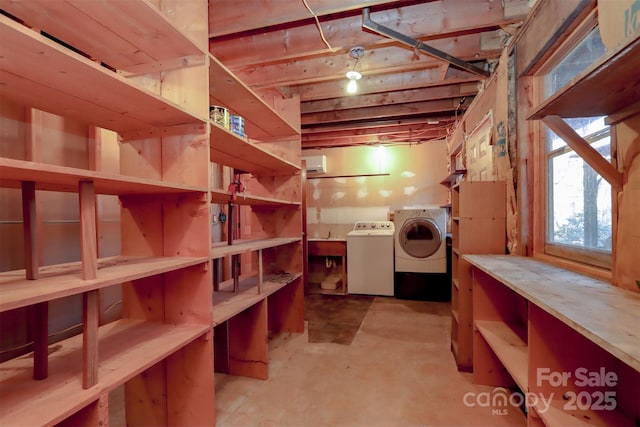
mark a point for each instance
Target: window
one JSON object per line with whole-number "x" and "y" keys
{"x": 578, "y": 215}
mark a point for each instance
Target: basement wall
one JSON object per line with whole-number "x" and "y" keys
{"x": 413, "y": 180}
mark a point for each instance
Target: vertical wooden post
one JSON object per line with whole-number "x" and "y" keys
{"x": 30, "y": 232}
{"x": 88, "y": 230}
{"x": 260, "y": 275}
{"x": 90, "y": 314}
{"x": 39, "y": 313}
{"x": 40, "y": 336}
{"x": 90, "y": 300}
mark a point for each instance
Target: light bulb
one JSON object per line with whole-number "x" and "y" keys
{"x": 352, "y": 86}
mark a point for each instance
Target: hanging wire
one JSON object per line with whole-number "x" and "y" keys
{"x": 319, "y": 27}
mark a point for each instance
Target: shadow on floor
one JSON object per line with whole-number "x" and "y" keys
{"x": 335, "y": 318}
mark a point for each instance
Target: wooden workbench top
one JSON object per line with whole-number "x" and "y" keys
{"x": 603, "y": 313}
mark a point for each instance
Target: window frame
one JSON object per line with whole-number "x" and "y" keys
{"x": 574, "y": 255}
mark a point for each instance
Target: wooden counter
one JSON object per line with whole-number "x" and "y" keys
{"x": 535, "y": 323}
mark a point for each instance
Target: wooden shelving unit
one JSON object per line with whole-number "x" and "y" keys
{"x": 478, "y": 218}
{"x": 235, "y": 151}
{"x": 59, "y": 281}
{"x": 261, "y": 119}
{"x": 62, "y": 87}
{"x": 528, "y": 326}
{"x": 266, "y": 297}
{"x": 248, "y": 199}
{"x": 97, "y": 66}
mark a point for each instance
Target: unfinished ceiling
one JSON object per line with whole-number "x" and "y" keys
{"x": 404, "y": 95}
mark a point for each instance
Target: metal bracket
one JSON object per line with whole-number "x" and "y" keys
{"x": 368, "y": 24}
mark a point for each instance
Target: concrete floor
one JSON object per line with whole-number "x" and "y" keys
{"x": 398, "y": 371}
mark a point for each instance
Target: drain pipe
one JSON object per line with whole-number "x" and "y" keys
{"x": 368, "y": 24}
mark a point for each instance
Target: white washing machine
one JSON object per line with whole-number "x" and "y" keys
{"x": 370, "y": 258}
{"x": 420, "y": 240}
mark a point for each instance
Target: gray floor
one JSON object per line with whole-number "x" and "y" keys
{"x": 397, "y": 371}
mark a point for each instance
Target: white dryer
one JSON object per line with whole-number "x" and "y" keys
{"x": 420, "y": 240}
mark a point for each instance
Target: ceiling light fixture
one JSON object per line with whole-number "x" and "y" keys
{"x": 353, "y": 75}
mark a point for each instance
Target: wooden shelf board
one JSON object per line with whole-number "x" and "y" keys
{"x": 556, "y": 291}
{"x": 61, "y": 178}
{"x": 227, "y": 304}
{"x": 222, "y": 197}
{"x": 509, "y": 348}
{"x": 606, "y": 87}
{"x": 228, "y": 91}
{"x": 57, "y": 281}
{"x": 556, "y": 416}
{"x": 156, "y": 39}
{"x": 222, "y": 249}
{"x": 455, "y": 283}
{"x": 126, "y": 348}
{"x": 453, "y": 177}
{"x": 229, "y": 149}
{"x": 77, "y": 87}
{"x": 454, "y": 314}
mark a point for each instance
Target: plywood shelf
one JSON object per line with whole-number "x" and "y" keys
{"x": 556, "y": 416}
{"x": 57, "y": 281}
{"x": 228, "y": 91}
{"x": 471, "y": 202}
{"x": 227, "y": 304}
{"x": 65, "y": 179}
{"x": 72, "y": 85}
{"x": 509, "y": 348}
{"x": 119, "y": 44}
{"x": 222, "y": 249}
{"x": 127, "y": 348}
{"x": 537, "y": 282}
{"x": 605, "y": 88}
{"x": 222, "y": 197}
{"x": 229, "y": 149}
{"x": 453, "y": 177}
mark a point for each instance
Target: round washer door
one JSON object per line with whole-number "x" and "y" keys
{"x": 420, "y": 237}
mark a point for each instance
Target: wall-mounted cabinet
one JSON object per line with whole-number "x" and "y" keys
{"x": 92, "y": 62}
{"x": 478, "y": 215}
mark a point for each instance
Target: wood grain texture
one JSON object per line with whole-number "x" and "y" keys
{"x": 607, "y": 315}
{"x": 60, "y": 88}
{"x": 66, "y": 179}
{"x": 90, "y": 321}
{"x": 62, "y": 280}
{"x": 128, "y": 348}
{"x": 88, "y": 230}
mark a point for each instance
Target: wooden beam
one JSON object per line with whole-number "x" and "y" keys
{"x": 90, "y": 321}
{"x": 376, "y": 60}
{"x": 279, "y": 44}
{"x": 368, "y": 24}
{"x": 414, "y": 108}
{"x": 383, "y": 83}
{"x": 585, "y": 150}
{"x": 30, "y": 229}
{"x": 225, "y": 17}
{"x": 395, "y": 98}
{"x": 88, "y": 230}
